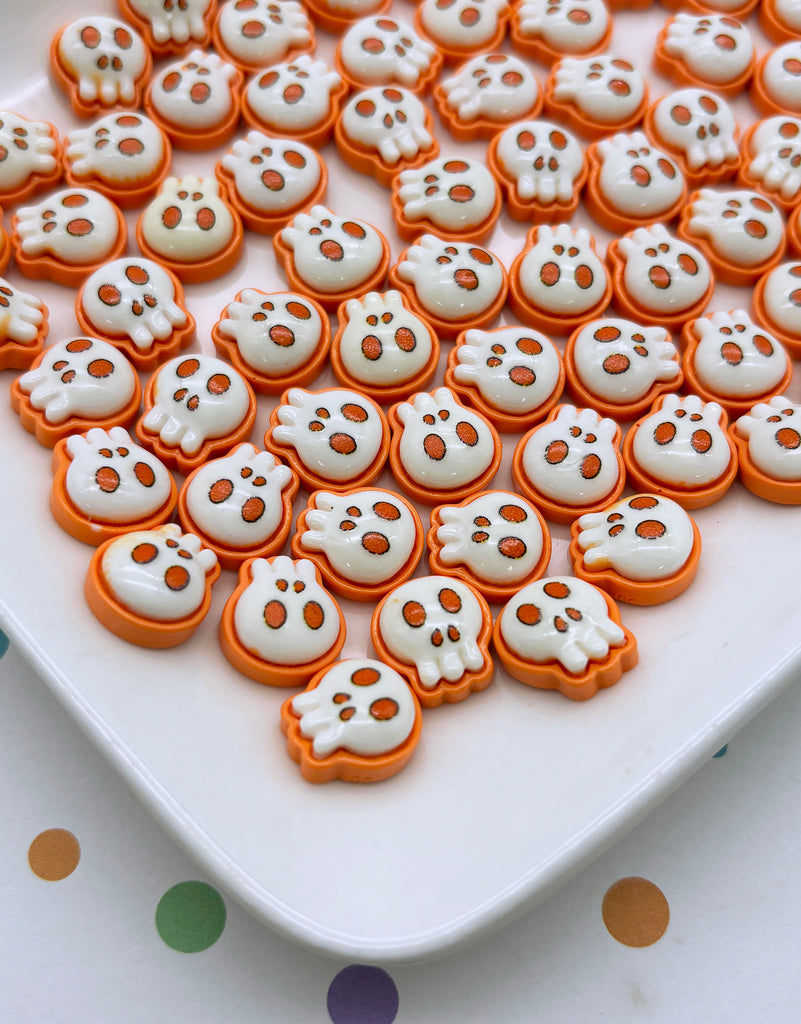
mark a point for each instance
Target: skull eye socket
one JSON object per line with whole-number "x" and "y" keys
{"x": 384, "y": 709}
{"x": 449, "y": 600}
{"x": 414, "y": 614}
{"x": 90, "y": 37}
{"x": 528, "y": 614}
{"x": 386, "y": 510}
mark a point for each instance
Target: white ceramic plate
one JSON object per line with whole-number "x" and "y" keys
{"x": 509, "y": 792}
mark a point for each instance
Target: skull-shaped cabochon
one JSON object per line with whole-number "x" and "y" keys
{"x": 280, "y": 625}
{"x": 571, "y": 463}
{"x": 494, "y": 540}
{"x": 269, "y": 180}
{"x": 643, "y": 549}
{"x": 151, "y": 587}
{"x": 171, "y": 26}
{"x": 67, "y": 235}
{"x": 190, "y": 228}
{"x": 364, "y": 541}
{"x": 124, "y": 155}
{"x": 461, "y": 28}
{"x": 100, "y": 63}
{"x": 681, "y": 450}
{"x": 775, "y": 87}
{"x": 24, "y": 326}
{"x": 455, "y": 197}
{"x": 485, "y": 94}
{"x": 30, "y": 157}
{"x": 780, "y": 20}
{"x": 104, "y": 484}
{"x": 562, "y": 633}
{"x": 195, "y": 405}
{"x": 74, "y": 385}
{"x": 254, "y": 34}
{"x": 196, "y": 100}
{"x": 381, "y": 50}
{"x": 383, "y": 130}
{"x": 357, "y": 721}
{"x": 541, "y": 169}
{"x": 138, "y": 306}
{"x": 547, "y": 31}
{"x": 440, "y": 449}
{"x": 276, "y": 340}
{"x": 383, "y": 347}
{"x": 772, "y": 159}
{"x": 777, "y": 304}
{"x": 713, "y": 51}
{"x": 596, "y": 95}
{"x": 435, "y": 631}
{"x": 240, "y": 504}
{"x": 768, "y": 440}
{"x": 333, "y": 439}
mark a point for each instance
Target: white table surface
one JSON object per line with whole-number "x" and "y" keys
{"x": 723, "y": 849}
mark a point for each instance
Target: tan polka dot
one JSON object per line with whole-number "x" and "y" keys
{"x": 635, "y": 912}
{"x": 54, "y": 854}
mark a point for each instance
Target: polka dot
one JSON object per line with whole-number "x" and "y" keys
{"x": 190, "y": 917}
{"x": 54, "y": 854}
{"x": 635, "y": 912}
{"x": 722, "y": 750}
{"x": 3, "y": 643}
{"x": 362, "y": 995}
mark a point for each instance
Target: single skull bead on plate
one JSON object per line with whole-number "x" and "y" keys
{"x": 561, "y": 274}
{"x": 620, "y": 361}
{"x": 120, "y": 149}
{"x": 495, "y": 86}
{"x": 284, "y": 615}
{"x": 383, "y": 343}
{"x": 775, "y": 149}
{"x": 293, "y": 97}
{"x": 333, "y": 254}
{"x": 388, "y": 119}
{"x": 174, "y": 21}
{"x": 699, "y": 125}
{"x": 75, "y": 225}
{"x": 608, "y": 90}
{"x": 196, "y": 398}
{"x": 188, "y": 220}
{"x": 21, "y": 315}
{"x": 780, "y": 77}
{"x": 452, "y": 280}
{"x": 105, "y": 57}
{"x": 714, "y": 48}
{"x": 454, "y": 193}
{"x": 661, "y": 273}
{"x": 782, "y": 297}
{"x": 272, "y": 175}
{"x": 276, "y": 333}
{"x": 380, "y": 50}
{"x": 637, "y": 179}
{"x": 773, "y": 430}
{"x": 736, "y": 358}
{"x": 368, "y": 537}
{"x": 543, "y": 160}
{"x": 743, "y": 228}
{"x": 683, "y": 442}
{"x": 565, "y": 26}
{"x": 262, "y": 32}
{"x": 26, "y": 148}
{"x": 360, "y": 705}
{"x": 462, "y": 24}
{"x": 196, "y": 92}
{"x": 645, "y": 537}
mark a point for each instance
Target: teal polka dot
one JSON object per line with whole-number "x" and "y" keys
{"x": 722, "y": 750}
{"x": 190, "y": 917}
{"x": 3, "y": 643}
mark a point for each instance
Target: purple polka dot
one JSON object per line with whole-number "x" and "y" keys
{"x": 362, "y": 995}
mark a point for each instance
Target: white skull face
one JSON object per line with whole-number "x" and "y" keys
{"x": 75, "y": 225}
{"x": 293, "y": 97}
{"x": 781, "y": 77}
{"x": 642, "y": 538}
{"x": 26, "y": 148}
{"x": 560, "y": 618}
{"x": 368, "y": 537}
{"x": 196, "y": 398}
{"x": 621, "y": 361}
{"x": 380, "y": 50}
{"x": 452, "y": 280}
{"x": 196, "y": 92}
{"x": 493, "y": 85}
{"x": 773, "y": 430}
{"x": 105, "y": 57}
{"x": 443, "y": 444}
{"x": 662, "y": 273}
{"x": 433, "y": 623}
{"x": 112, "y": 479}
{"x": 608, "y": 89}
{"x": 272, "y": 175}
{"x": 496, "y": 535}
{"x": 119, "y": 148}
{"x": 561, "y": 273}
{"x": 715, "y": 48}
{"x": 133, "y": 298}
{"x": 701, "y": 126}
{"x": 188, "y": 220}
{"x": 735, "y": 358}
{"x": 236, "y": 500}
{"x": 566, "y": 26}
{"x": 177, "y": 21}
{"x": 742, "y": 227}
{"x": 337, "y": 433}
{"x": 515, "y": 369}
{"x": 683, "y": 442}
{"x": 383, "y": 343}
{"x": 21, "y": 314}
{"x": 775, "y": 149}
{"x": 80, "y": 377}
{"x": 464, "y": 24}
{"x": 543, "y": 159}
{"x": 276, "y": 333}
{"x": 360, "y": 705}
{"x": 782, "y": 297}
{"x": 788, "y": 14}
{"x": 637, "y": 179}
{"x": 160, "y": 574}
{"x": 333, "y": 254}
{"x": 261, "y": 32}
{"x": 390, "y": 120}
{"x": 572, "y": 458}
{"x": 285, "y": 616}
{"x": 454, "y": 194}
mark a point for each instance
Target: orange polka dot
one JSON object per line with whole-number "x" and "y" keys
{"x": 54, "y": 854}
{"x": 635, "y": 912}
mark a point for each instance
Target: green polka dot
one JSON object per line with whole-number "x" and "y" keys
{"x": 190, "y": 917}
{"x": 3, "y": 643}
